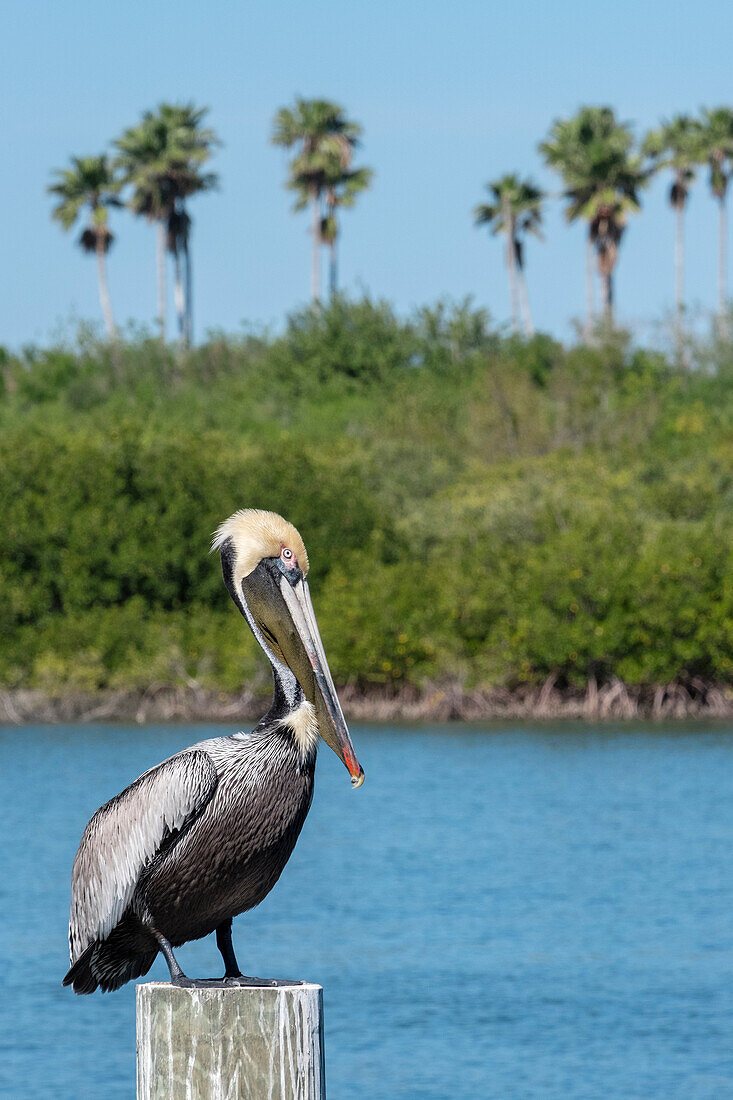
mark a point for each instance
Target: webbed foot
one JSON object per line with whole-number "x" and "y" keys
{"x": 229, "y": 982}
{"x": 184, "y": 982}
{"x": 233, "y": 979}
{"x": 244, "y": 980}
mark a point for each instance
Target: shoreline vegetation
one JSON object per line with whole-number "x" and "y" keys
{"x": 496, "y": 526}
{"x": 432, "y": 703}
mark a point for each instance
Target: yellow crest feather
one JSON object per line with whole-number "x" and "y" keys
{"x": 257, "y": 534}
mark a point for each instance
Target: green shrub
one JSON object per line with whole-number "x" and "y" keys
{"x": 474, "y": 505}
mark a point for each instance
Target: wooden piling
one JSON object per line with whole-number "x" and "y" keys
{"x": 227, "y": 1043}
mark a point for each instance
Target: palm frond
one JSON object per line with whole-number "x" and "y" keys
{"x": 324, "y": 139}
{"x": 90, "y": 182}
{"x": 717, "y": 137}
{"x": 517, "y": 206}
{"x": 593, "y": 152}
{"x": 162, "y": 156}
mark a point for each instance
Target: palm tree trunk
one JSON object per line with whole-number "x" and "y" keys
{"x": 679, "y": 275}
{"x": 511, "y": 264}
{"x": 188, "y": 336}
{"x": 590, "y": 305}
{"x": 722, "y": 269}
{"x": 179, "y": 296}
{"x": 333, "y": 268}
{"x": 315, "y": 249}
{"x": 524, "y": 301}
{"x": 104, "y": 298}
{"x": 161, "y": 250}
{"x": 513, "y": 286}
{"x": 607, "y": 288}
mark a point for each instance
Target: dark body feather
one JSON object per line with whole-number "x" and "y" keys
{"x": 222, "y": 821}
{"x": 233, "y": 855}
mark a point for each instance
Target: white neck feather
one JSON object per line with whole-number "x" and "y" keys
{"x": 302, "y": 721}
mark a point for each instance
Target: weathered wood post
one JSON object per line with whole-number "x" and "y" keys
{"x": 230, "y": 1043}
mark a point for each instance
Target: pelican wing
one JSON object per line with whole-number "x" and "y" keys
{"x": 125, "y": 835}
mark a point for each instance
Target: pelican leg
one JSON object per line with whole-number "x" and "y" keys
{"x": 177, "y": 975}
{"x": 223, "y": 933}
{"x": 232, "y": 974}
{"x": 226, "y": 947}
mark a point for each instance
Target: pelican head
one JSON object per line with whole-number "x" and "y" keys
{"x": 265, "y": 565}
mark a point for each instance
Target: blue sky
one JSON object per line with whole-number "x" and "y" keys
{"x": 450, "y": 95}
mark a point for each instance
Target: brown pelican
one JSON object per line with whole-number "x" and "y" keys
{"x": 206, "y": 834}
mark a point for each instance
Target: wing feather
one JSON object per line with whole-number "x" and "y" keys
{"x": 124, "y": 835}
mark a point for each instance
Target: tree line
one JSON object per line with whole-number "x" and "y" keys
{"x": 481, "y": 510}
{"x": 158, "y": 165}
{"x": 604, "y": 169}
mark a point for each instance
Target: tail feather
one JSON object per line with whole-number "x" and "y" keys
{"x": 127, "y": 953}
{"x": 80, "y": 975}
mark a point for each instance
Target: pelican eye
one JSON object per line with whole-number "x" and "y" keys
{"x": 287, "y": 563}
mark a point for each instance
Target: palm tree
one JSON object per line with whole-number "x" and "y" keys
{"x": 162, "y": 158}
{"x": 341, "y": 194}
{"x": 515, "y": 210}
{"x": 341, "y": 185}
{"x": 90, "y": 182}
{"x": 593, "y": 153}
{"x": 677, "y": 145}
{"x": 717, "y": 140}
{"x": 322, "y": 134}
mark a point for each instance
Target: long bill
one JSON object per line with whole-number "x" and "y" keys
{"x": 334, "y": 730}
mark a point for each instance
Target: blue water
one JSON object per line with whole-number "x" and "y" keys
{"x": 497, "y": 913}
